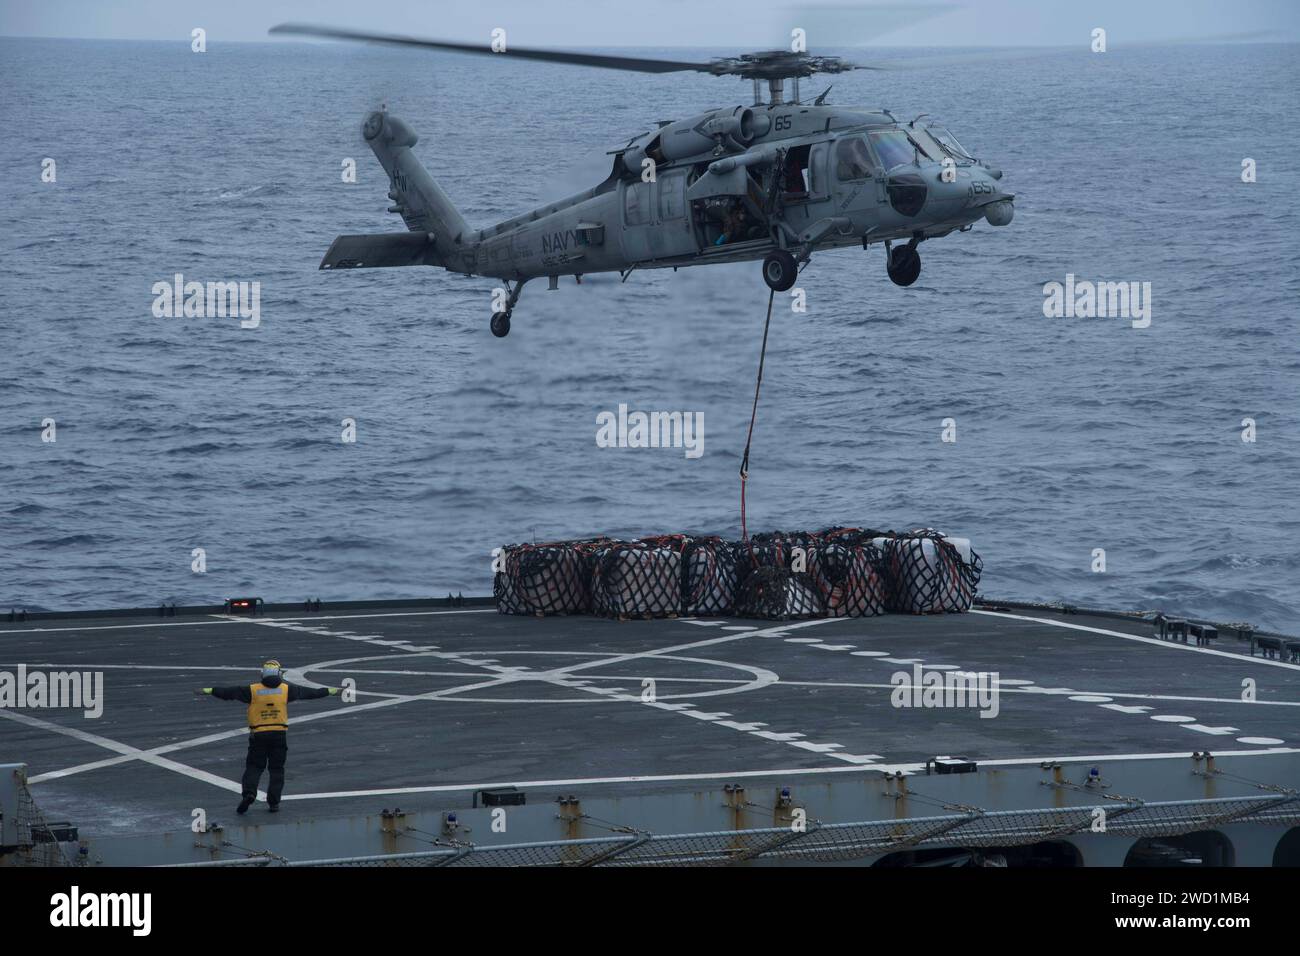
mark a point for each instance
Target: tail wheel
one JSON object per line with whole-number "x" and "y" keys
{"x": 904, "y": 265}
{"x": 500, "y": 324}
{"x": 779, "y": 270}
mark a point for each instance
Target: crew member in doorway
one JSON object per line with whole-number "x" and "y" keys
{"x": 268, "y": 728}
{"x": 736, "y": 225}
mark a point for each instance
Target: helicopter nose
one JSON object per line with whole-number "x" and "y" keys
{"x": 989, "y": 199}
{"x": 947, "y": 198}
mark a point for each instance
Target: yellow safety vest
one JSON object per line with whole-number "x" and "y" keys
{"x": 269, "y": 707}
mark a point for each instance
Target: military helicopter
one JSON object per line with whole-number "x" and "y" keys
{"x": 774, "y": 181}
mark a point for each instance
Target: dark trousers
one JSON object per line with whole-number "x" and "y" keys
{"x": 266, "y": 749}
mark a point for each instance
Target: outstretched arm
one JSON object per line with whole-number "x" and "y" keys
{"x": 309, "y": 693}
{"x": 229, "y": 693}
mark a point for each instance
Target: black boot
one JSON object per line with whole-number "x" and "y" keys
{"x": 244, "y": 804}
{"x": 274, "y": 807}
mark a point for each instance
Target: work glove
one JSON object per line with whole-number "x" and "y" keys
{"x": 334, "y": 691}
{"x": 203, "y": 690}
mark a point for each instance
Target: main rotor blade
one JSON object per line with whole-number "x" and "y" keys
{"x": 638, "y": 64}
{"x": 1004, "y": 54}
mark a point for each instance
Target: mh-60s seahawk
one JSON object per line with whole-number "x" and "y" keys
{"x": 775, "y": 181}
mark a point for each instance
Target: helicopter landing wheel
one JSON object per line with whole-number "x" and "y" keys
{"x": 904, "y": 265}
{"x": 780, "y": 270}
{"x": 500, "y": 324}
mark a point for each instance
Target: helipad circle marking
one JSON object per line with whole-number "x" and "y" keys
{"x": 762, "y": 676}
{"x": 1092, "y": 699}
{"x": 1261, "y": 741}
{"x": 941, "y": 667}
{"x": 803, "y": 640}
{"x": 1173, "y": 719}
{"x": 868, "y": 653}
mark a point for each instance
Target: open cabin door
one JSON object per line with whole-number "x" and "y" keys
{"x": 729, "y": 208}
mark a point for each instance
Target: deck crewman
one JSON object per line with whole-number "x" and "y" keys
{"x": 268, "y": 728}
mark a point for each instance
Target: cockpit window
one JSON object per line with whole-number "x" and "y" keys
{"x": 929, "y": 145}
{"x": 894, "y": 148}
{"x": 949, "y": 142}
{"x": 852, "y": 160}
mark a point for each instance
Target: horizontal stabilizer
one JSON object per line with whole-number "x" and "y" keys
{"x": 380, "y": 250}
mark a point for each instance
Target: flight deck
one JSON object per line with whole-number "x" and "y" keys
{"x": 452, "y": 702}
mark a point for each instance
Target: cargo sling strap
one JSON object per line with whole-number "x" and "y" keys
{"x": 753, "y": 414}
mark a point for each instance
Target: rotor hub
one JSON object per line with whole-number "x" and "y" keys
{"x": 777, "y": 65}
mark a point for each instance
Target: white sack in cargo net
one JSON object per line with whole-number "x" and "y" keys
{"x": 542, "y": 579}
{"x": 710, "y": 576}
{"x": 777, "y": 594}
{"x": 636, "y": 579}
{"x": 928, "y": 573}
{"x": 845, "y": 570}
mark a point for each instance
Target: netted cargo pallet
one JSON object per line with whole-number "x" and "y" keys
{"x": 928, "y": 573}
{"x": 544, "y": 579}
{"x": 846, "y": 572}
{"x": 637, "y": 579}
{"x": 778, "y": 594}
{"x": 711, "y": 576}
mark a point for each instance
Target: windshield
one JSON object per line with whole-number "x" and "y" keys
{"x": 894, "y": 148}
{"x": 948, "y": 141}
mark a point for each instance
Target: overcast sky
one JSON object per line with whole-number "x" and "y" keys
{"x": 699, "y": 23}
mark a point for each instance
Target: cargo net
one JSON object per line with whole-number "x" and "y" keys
{"x": 927, "y": 574}
{"x": 775, "y": 583}
{"x": 638, "y": 579}
{"x": 846, "y": 569}
{"x": 780, "y": 575}
{"x": 711, "y": 576}
{"x": 544, "y": 579}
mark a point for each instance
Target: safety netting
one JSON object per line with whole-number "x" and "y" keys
{"x": 962, "y": 828}
{"x": 778, "y": 575}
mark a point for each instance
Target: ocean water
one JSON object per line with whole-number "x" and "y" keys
{"x": 1072, "y": 434}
